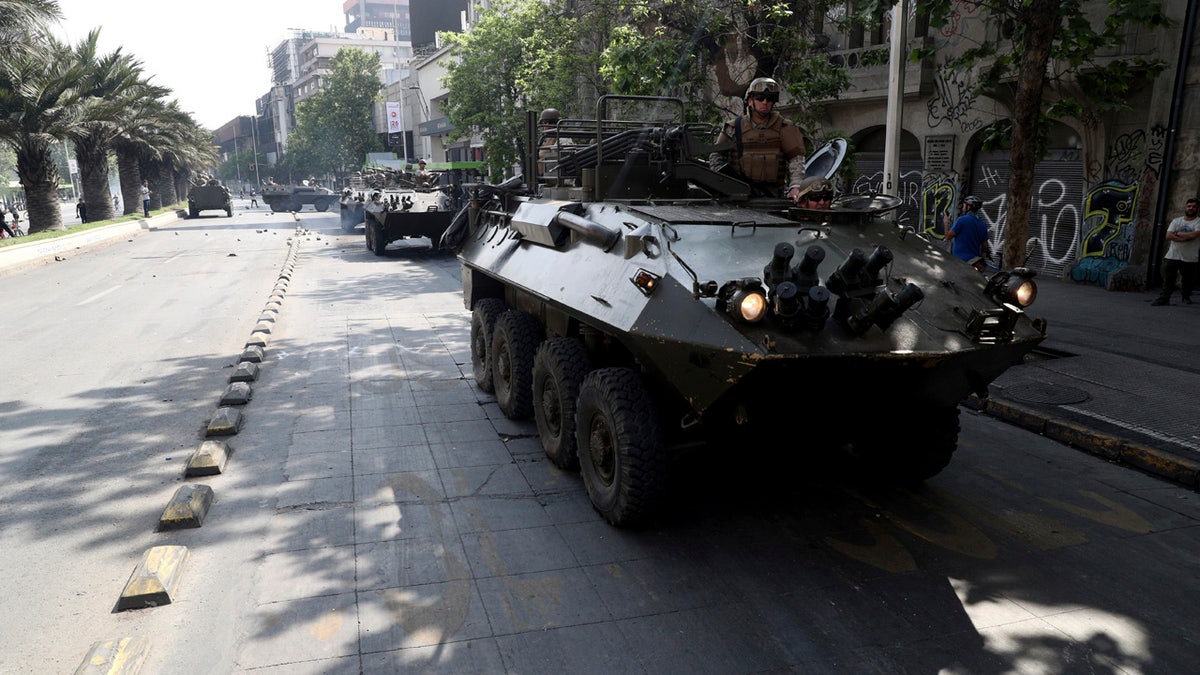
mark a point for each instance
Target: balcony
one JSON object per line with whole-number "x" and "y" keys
{"x": 870, "y": 72}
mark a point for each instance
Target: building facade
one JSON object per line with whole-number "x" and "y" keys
{"x": 1103, "y": 195}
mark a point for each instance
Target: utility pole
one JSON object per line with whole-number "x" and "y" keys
{"x": 895, "y": 106}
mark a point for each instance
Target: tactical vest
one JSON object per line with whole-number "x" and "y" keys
{"x": 761, "y": 151}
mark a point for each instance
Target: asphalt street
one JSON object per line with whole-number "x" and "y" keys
{"x": 379, "y": 514}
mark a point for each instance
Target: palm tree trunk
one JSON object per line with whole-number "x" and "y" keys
{"x": 131, "y": 180}
{"x": 166, "y": 183}
{"x": 39, "y": 177}
{"x": 93, "y": 174}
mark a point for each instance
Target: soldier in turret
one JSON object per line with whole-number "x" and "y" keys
{"x": 768, "y": 150}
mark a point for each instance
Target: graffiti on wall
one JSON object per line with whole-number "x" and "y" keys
{"x": 1054, "y": 216}
{"x": 1107, "y": 238}
{"x": 960, "y": 11}
{"x": 909, "y": 194}
{"x": 1111, "y": 209}
{"x": 951, "y": 102}
{"x": 937, "y": 203}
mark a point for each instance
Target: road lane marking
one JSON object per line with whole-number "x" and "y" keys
{"x": 97, "y": 296}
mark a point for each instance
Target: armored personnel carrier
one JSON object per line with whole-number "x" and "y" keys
{"x": 401, "y": 205}
{"x": 209, "y": 195}
{"x": 295, "y": 197}
{"x": 646, "y": 302}
{"x": 350, "y": 208}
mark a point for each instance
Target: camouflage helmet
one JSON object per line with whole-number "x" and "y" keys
{"x": 549, "y": 116}
{"x": 766, "y": 86}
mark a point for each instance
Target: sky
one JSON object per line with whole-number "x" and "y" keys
{"x": 212, "y": 54}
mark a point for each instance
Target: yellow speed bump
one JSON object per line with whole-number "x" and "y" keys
{"x": 187, "y": 508}
{"x": 123, "y": 656}
{"x": 227, "y": 422}
{"x": 209, "y": 459}
{"x": 155, "y": 579}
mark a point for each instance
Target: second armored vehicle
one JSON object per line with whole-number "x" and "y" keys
{"x": 209, "y": 196}
{"x": 294, "y": 197}
{"x": 643, "y": 303}
{"x": 400, "y": 205}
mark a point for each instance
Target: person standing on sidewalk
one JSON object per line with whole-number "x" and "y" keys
{"x": 1183, "y": 251}
{"x": 145, "y": 193}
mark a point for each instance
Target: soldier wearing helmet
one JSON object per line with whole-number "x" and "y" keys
{"x": 549, "y": 146}
{"x": 768, "y": 150}
{"x": 968, "y": 236}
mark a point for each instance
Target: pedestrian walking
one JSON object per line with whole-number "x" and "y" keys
{"x": 968, "y": 236}
{"x": 81, "y": 210}
{"x": 253, "y": 199}
{"x": 4, "y": 229}
{"x": 1183, "y": 255}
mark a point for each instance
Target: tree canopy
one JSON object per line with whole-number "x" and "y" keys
{"x": 334, "y": 127}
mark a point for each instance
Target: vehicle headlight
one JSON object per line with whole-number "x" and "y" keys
{"x": 1014, "y": 288}
{"x": 752, "y": 305}
{"x": 743, "y": 299}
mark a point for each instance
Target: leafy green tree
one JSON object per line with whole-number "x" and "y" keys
{"x": 708, "y": 49}
{"x": 519, "y": 56}
{"x": 1016, "y": 72}
{"x": 530, "y": 54}
{"x": 334, "y": 127}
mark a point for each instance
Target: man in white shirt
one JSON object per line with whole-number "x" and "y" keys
{"x": 1183, "y": 253}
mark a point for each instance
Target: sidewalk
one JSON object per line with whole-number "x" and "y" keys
{"x": 1116, "y": 378}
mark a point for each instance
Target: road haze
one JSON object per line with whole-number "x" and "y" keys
{"x": 379, "y": 513}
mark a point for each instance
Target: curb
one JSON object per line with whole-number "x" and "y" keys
{"x": 1114, "y": 448}
{"x": 20, "y": 255}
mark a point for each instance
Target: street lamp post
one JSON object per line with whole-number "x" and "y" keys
{"x": 254, "y": 139}
{"x": 424, "y": 109}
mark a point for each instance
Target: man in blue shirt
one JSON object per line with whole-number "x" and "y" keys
{"x": 969, "y": 234}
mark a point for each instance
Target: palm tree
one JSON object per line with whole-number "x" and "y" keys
{"x": 113, "y": 83}
{"x": 17, "y": 17}
{"x": 39, "y": 104}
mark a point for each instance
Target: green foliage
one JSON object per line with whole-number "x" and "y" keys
{"x": 517, "y": 57}
{"x": 531, "y": 54}
{"x": 334, "y": 127}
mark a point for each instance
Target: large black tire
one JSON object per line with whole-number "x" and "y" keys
{"x": 377, "y": 238}
{"x": 909, "y": 446}
{"x": 483, "y": 325}
{"x": 228, "y": 210}
{"x": 274, "y": 204}
{"x": 295, "y": 205}
{"x": 622, "y": 456}
{"x": 558, "y": 370}
{"x": 321, "y": 204}
{"x": 514, "y": 345}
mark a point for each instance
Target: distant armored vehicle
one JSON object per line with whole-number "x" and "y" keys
{"x": 209, "y": 196}
{"x": 294, "y": 197}
{"x": 645, "y": 303}
{"x": 400, "y": 205}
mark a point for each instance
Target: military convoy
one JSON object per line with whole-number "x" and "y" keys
{"x": 209, "y": 195}
{"x": 394, "y": 205}
{"x": 294, "y": 197}
{"x": 638, "y": 302}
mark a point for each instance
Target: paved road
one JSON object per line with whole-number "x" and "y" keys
{"x": 380, "y": 515}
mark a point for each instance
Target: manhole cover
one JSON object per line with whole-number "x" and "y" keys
{"x": 1051, "y": 394}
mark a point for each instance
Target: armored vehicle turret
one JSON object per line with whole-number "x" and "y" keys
{"x": 209, "y": 195}
{"x": 637, "y": 301}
